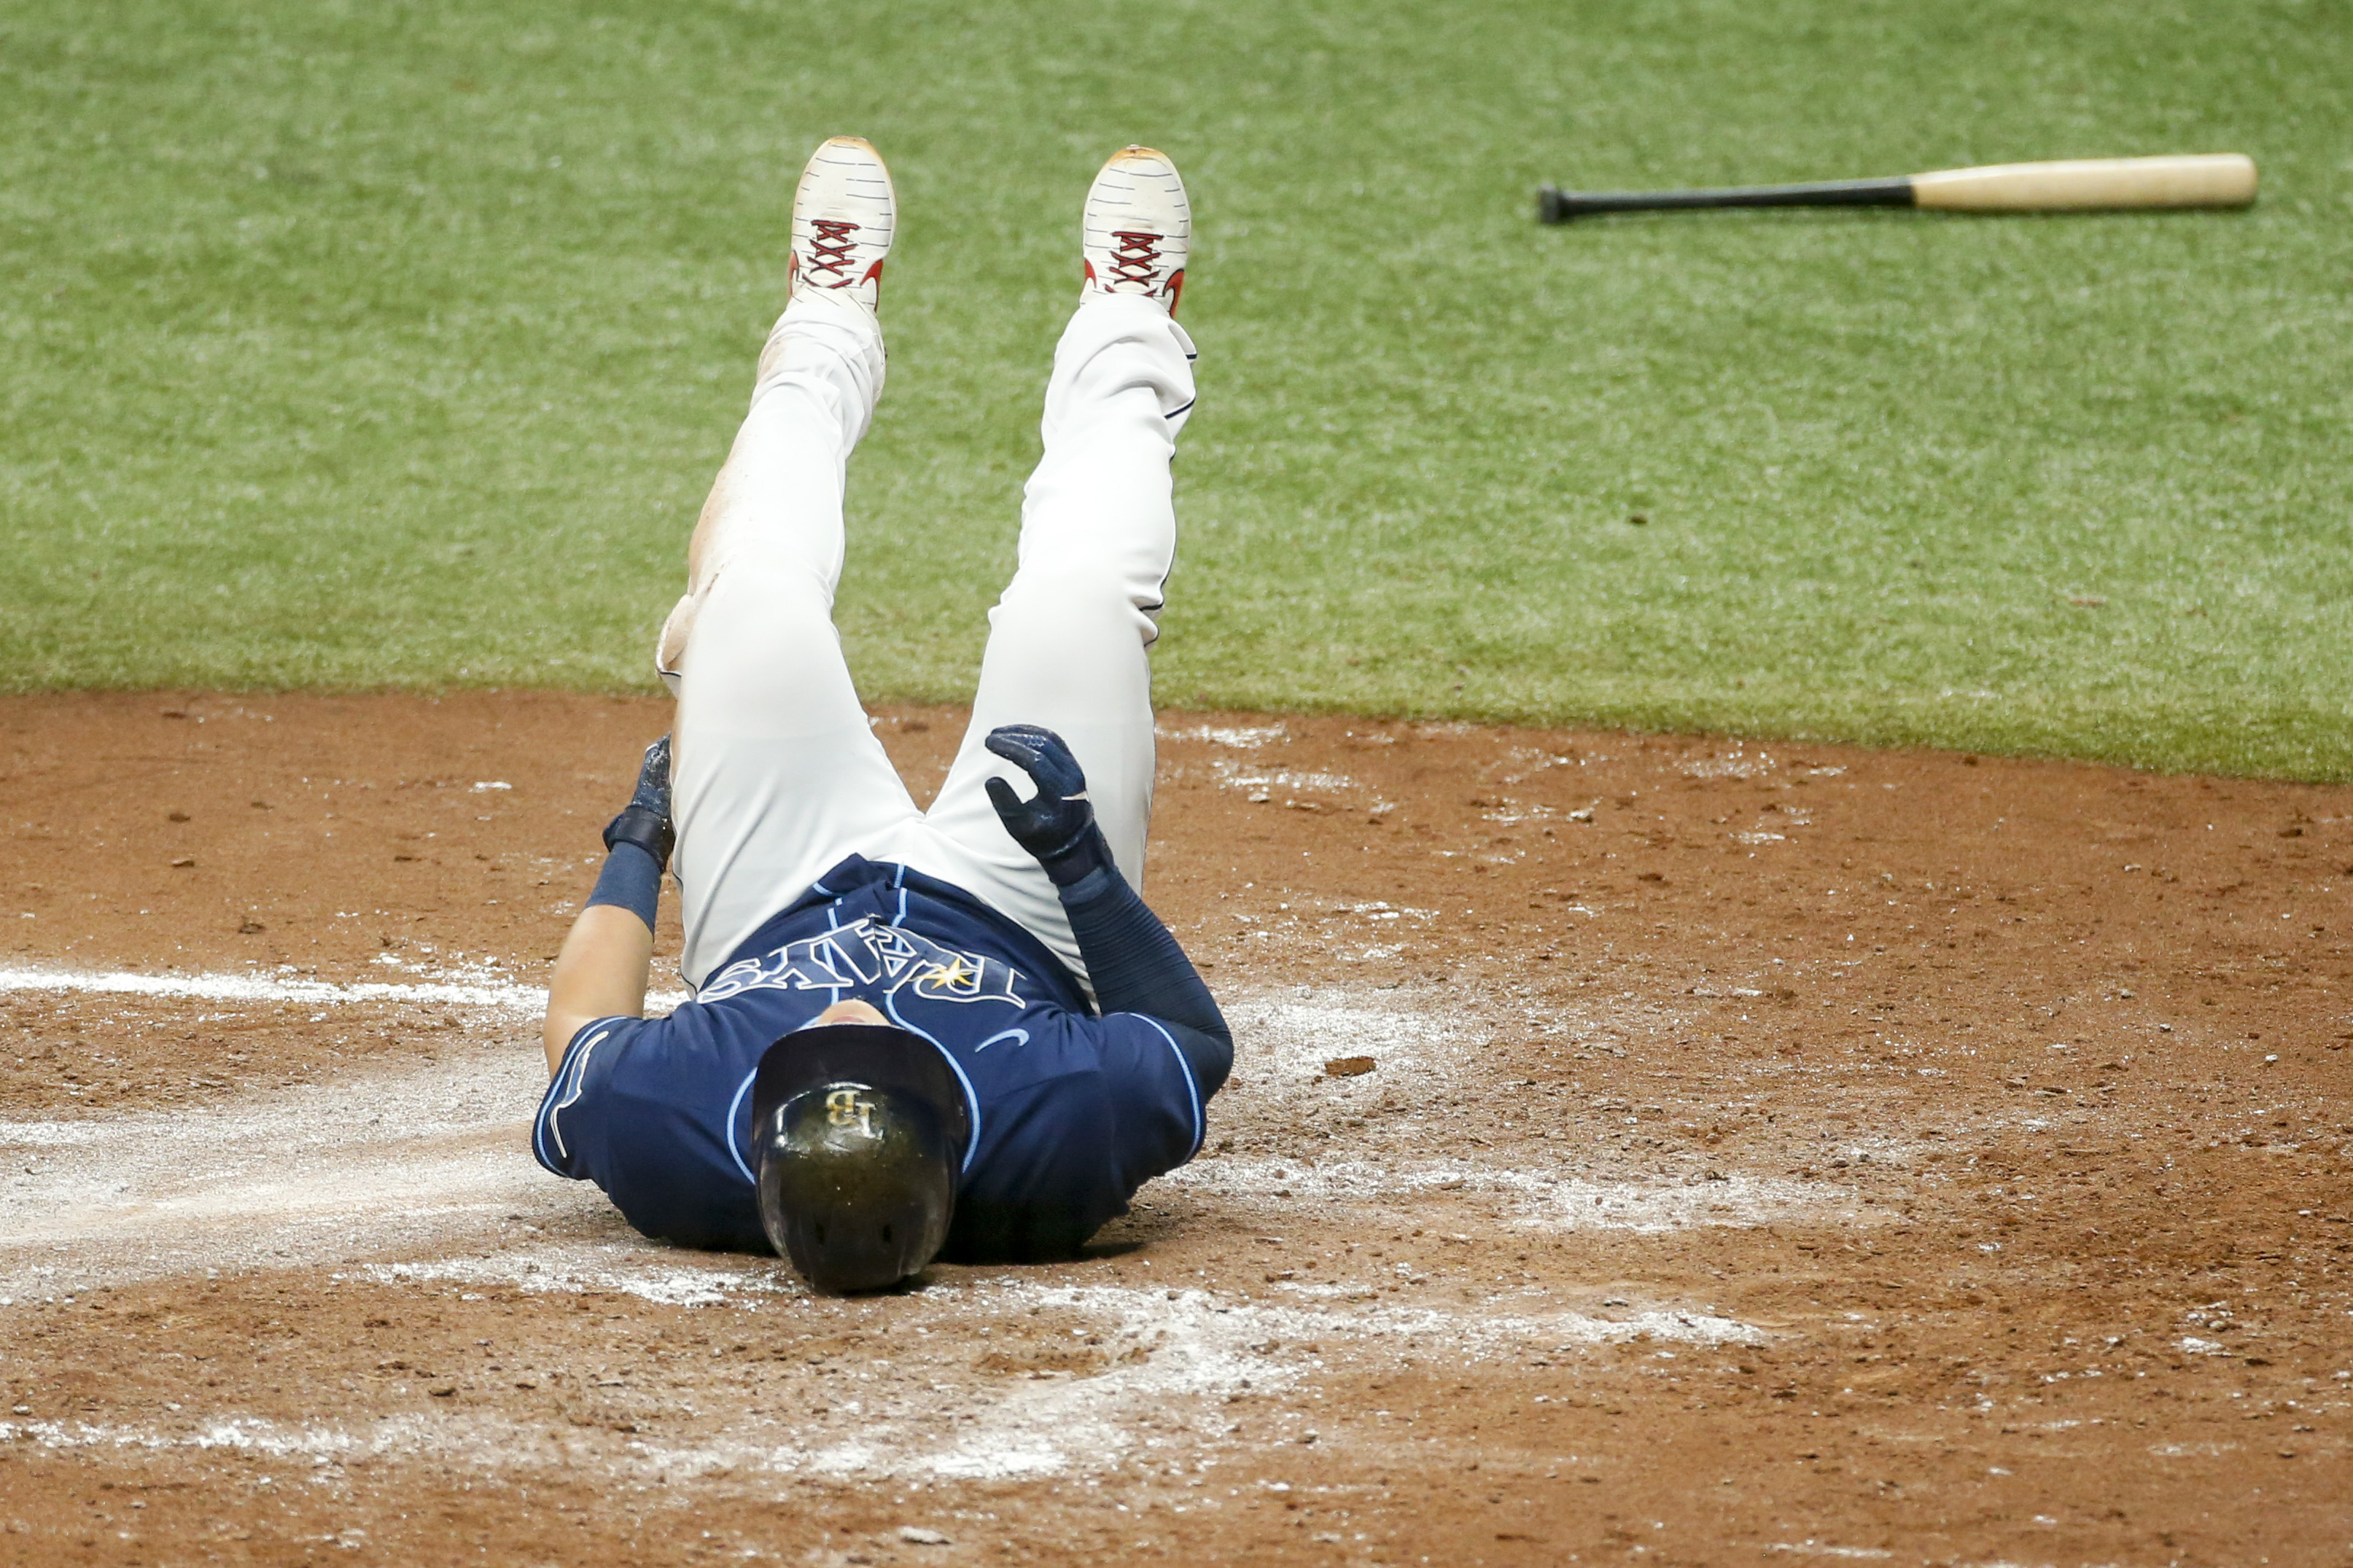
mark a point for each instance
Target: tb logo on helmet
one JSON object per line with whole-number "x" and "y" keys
{"x": 849, "y": 1108}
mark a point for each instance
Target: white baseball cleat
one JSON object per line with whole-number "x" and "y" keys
{"x": 844, "y": 215}
{"x": 1138, "y": 228}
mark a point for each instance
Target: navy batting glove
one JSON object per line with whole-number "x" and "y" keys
{"x": 1058, "y": 824}
{"x": 644, "y": 821}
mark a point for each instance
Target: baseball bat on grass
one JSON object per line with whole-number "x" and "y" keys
{"x": 2082, "y": 184}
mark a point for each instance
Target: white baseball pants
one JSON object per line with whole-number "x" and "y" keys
{"x": 777, "y": 773}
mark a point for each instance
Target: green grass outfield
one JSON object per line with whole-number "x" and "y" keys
{"x": 393, "y": 345}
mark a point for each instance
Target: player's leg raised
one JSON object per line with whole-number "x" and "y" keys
{"x": 1069, "y": 641}
{"x": 777, "y": 772}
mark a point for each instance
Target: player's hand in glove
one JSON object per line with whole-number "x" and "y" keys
{"x": 644, "y": 821}
{"x": 1058, "y": 824}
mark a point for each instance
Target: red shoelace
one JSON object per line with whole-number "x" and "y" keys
{"x": 830, "y": 250}
{"x": 1136, "y": 258}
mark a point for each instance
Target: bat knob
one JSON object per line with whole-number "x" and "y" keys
{"x": 1550, "y": 207}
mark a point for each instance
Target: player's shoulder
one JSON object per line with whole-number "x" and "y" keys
{"x": 598, "y": 1031}
{"x": 597, "y": 1036}
{"x": 607, "y": 1053}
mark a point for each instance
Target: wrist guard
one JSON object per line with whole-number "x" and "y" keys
{"x": 644, "y": 821}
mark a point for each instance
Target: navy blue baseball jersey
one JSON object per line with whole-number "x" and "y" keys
{"x": 1071, "y": 1113}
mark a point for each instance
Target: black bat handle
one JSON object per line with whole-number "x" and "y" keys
{"x": 1556, "y": 205}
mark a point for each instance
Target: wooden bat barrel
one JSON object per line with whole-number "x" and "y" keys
{"x": 2085, "y": 184}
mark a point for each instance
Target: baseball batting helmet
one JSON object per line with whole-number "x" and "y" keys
{"x": 857, "y": 1133}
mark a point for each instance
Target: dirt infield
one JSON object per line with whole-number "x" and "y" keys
{"x": 1770, "y": 1152}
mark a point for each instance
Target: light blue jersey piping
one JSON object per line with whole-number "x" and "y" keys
{"x": 1192, "y": 1090}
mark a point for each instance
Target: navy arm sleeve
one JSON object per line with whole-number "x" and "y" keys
{"x": 1137, "y": 967}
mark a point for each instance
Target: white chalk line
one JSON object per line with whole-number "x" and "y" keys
{"x": 1543, "y": 1200}
{"x": 503, "y": 996}
{"x": 490, "y": 994}
{"x": 1245, "y": 737}
{"x": 617, "y": 1267}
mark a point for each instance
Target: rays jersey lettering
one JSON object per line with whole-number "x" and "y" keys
{"x": 869, "y": 956}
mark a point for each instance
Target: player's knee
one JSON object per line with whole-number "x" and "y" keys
{"x": 753, "y": 601}
{"x": 748, "y": 633}
{"x": 1069, "y": 591}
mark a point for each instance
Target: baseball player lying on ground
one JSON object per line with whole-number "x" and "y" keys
{"x": 957, "y": 1032}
